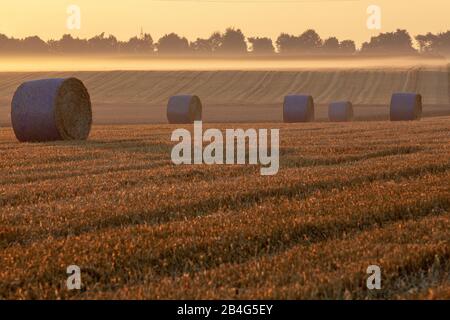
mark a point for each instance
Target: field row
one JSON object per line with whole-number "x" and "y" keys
{"x": 345, "y": 197}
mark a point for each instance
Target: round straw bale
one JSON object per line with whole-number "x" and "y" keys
{"x": 51, "y": 109}
{"x": 341, "y": 111}
{"x": 298, "y": 108}
{"x": 184, "y": 109}
{"x": 406, "y": 106}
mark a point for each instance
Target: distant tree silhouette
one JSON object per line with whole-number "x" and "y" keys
{"x": 4, "y": 40}
{"x": 233, "y": 42}
{"x": 68, "y": 44}
{"x": 103, "y": 44}
{"x": 309, "y": 42}
{"x": 426, "y": 42}
{"x": 261, "y": 45}
{"x": 202, "y": 46}
{"x": 441, "y": 44}
{"x": 287, "y": 44}
{"x": 34, "y": 44}
{"x": 207, "y": 46}
{"x": 8, "y": 45}
{"x": 347, "y": 47}
{"x": 215, "y": 41}
{"x": 398, "y": 42}
{"x": 142, "y": 44}
{"x": 172, "y": 43}
{"x": 436, "y": 44}
{"x": 331, "y": 46}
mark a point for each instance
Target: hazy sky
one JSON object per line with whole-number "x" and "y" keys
{"x": 344, "y": 19}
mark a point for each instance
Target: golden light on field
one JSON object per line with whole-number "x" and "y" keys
{"x": 342, "y": 18}
{"x": 157, "y": 231}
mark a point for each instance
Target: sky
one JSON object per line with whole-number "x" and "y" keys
{"x": 345, "y": 19}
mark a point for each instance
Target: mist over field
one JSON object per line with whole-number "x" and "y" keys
{"x": 27, "y": 63}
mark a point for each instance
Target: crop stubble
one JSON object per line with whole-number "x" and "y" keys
{"x": 346, "y": 196}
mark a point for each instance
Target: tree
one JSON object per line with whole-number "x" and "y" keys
{"x": 233, "y": 41}
{"x": 261, "y": 45}
{"x": 230, "y": 42}
{"x": 172, "y": 43}
{"x": 34, "y": 45}
{"x": 436, "y": 44}
{"x": 426, "y": 42}
{"x": 331, "y": 45}
{"x": 142, "y": 44}
{"x": 215, "y": 41}
{"x": 398, "y": 42}
{"x": 202, "y": 46}
{"x": 310, "y": 41}
{"x": 347, "y": 47}
{"x": 442, "y": 43}
{"x": 207, "y": 46}
{"x": 68, "y": 44}
{"x": 287, "y": 44}
{"x": 100, "y": 43}
{"x": 307, "y": 43}
{"x": 8, "y": 44}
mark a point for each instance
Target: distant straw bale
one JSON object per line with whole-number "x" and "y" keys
{"x": 184, "y": 109}
{"x": 298, "y": 108}
{"x": 341, "y": 111}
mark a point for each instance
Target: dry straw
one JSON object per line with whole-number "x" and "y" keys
{"x": 298, "y": 108}
{"x": 184, "y": 109}
{"x": 341, "y": 111}
{"x": 406, "y": 106}
{"x": 51, "y": 109}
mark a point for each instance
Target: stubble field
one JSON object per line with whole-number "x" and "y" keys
{"x": 245, "y": 96}
{"x": 347, "y": 196}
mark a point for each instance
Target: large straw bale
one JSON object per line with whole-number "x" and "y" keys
{"x": 51, "y": 109}
{"x": 406, "y": 106}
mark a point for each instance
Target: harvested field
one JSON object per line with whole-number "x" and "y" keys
{"x": 347, "y": 196}
{"x": 140, "y": 97}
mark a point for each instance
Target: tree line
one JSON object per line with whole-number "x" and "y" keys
{"x": 234, "y": 42}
